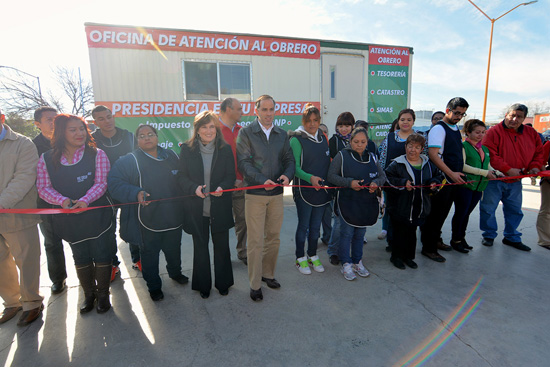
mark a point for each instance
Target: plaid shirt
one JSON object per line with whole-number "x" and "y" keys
{"x": 50, "y": 195}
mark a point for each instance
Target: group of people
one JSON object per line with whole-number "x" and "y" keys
{"x": 203, "y": 191}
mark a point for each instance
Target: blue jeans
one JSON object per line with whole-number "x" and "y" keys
{"x": 326, "y": 223}
{"x": 309, "y": 224}
{"x": 511, "y": 196}
{"x": 351, "y": 238}
{"x": 334, "y": 241}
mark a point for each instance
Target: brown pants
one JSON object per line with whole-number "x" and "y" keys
{"x": 264, "y": 219}
{"x": 21, "y": 249}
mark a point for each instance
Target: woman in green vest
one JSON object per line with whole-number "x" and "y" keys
{"x": 478, "y": 173}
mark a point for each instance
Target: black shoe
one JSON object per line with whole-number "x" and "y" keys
{"x": 271, "y": 283}
{"x": 389, "y": 248}
{"x": 88, "y": 304}
{"x": 334, "y": 260}
{"x": 465, "y": 244}
{"x": 224, "y": 292}
{"x": 181, "y": 279}
{"x": 487, "y": 241}
{"x": 434, "y": 256}
{"x": 256, "y": 295}
{"x": 205, "y": 295}
{"x": 443, "y": 246}
{"x": 58, "y": 287}
{"x": 410, "y": 263}
{"x": 397, "y": 262}
{"x": 518, "y": 245}
{"x": 156, "y": 295}
{"x": 457, "y": 246}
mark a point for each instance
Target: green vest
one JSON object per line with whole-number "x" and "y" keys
{"x": 473, "y": 159}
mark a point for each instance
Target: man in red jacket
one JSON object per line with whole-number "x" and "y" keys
{"x": 231, "y": 112}
{"x": 515, "y": 149}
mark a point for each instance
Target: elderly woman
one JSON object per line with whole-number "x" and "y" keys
{"x": 408, "y": 204}
{"x": 356, "y": 170}
{"x": 149, "y": 173}
{"x": 310, "y": 149}
{"x": 207, "y": 168}
{"x": 73, "y": 175}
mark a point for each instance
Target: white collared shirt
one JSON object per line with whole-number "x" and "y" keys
{"x": 266, "y": 131}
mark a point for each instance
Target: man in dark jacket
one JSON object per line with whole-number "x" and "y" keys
{"x": 55, "y": 256}
{"x": 515, "y": 150}
{"x": 264, "y": 158}
{"x": 115, "y": 142}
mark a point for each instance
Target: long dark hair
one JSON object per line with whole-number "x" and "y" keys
{"x": 202, "y": 119}
{"x": 58, "y": 140}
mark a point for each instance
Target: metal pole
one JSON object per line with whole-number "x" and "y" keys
{"x": 488, "y": 68}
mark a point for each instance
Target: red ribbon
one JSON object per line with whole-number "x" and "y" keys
{"x": 80, "y": 210}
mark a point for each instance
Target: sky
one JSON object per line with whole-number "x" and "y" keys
{"x": 450, "y": 38}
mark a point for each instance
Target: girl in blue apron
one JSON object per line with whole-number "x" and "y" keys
{"x": 357, "y": 171}
{"x": 311, "y": 153}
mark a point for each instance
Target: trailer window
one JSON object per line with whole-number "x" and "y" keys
{"x": 216, "y": 80}
{"x": 332, "y": 82}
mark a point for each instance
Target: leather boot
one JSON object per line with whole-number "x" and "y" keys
{"x": 86, "y": 277}
{"x": 103, "y": 279}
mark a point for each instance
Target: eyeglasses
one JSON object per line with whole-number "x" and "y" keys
{"x": 143, "y": 136}
{"x": 459, "y": 114}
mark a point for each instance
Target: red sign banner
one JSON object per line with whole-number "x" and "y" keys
{"x": 166, "y": 109}
{"x": 184, "y": 41}
{"x": 387, "y": 55}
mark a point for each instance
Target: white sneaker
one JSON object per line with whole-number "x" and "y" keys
{"x": 360, "y": 269}
{"x": 316, "y": 263}
{"x": 383, "y": 234}
{"x": 302, "y": 266}
{"x": 348, "y": 271}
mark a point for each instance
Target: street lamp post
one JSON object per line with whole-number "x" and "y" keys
{"x": 24, "y": 72}
{"x": 491, "y": 45}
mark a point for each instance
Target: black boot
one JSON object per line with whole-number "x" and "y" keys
{"x": 85, "y": 275}
{"x": 103, "y": 279}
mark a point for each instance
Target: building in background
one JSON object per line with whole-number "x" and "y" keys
{"x": 164, "y": 77}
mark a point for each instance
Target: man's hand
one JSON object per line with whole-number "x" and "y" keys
{"x": 218, "y": 192}
{"x": 316, "y": 182}
{"x": 198, "y": 191}
{"x": 513, "y": 172}
{"x": 534, "y": 171}
{"x": 284, "y": 180}
{"x": 141, "y": 198}
{"x": 456, "y": 177}
{"x": 269, "y": 182}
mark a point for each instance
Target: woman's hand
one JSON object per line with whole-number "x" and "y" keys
{"x": 356, "y": 185}
{"x": 316, "y": 182}
{"x": 433, "y": 186}
{"x": 199, "y": 192}
{"x": 218, "y": 192}
{"x": 66, "y": 204}
{"x": 141, "y": 198}
{"x": 373, "y": 187}
{"x": 79, "y": 204}
{"x": 408, "y": 186}
{"x": 491, "y": 176}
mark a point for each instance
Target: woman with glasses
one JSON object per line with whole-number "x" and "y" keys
{"x": 207, "y": 168}
{"x": 73, "y": 175}
{"x": 146, "y": 178}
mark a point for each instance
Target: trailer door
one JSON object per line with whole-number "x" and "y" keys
{"x": 342, "y": 89}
